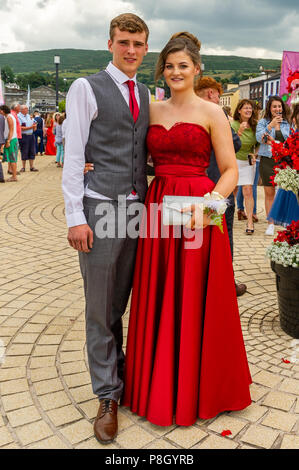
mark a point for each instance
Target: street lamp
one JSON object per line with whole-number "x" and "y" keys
{"x": 57, "y": 62}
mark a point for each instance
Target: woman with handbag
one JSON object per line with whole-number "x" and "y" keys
{"x": 184, "y": 325}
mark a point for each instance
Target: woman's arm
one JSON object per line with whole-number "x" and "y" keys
{"x": 221, "y": 137}
{"x": 285, "y": 130}
{"x": 222, "y": 144}
{"x": 10, "y": 131}
{"x": 261, "y": 130}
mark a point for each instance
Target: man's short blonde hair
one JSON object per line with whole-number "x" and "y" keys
{"x": 128, "y": 22}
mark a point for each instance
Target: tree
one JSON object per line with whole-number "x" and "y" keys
{"x": 7, "y": 74}
{"x": 22, "y": 81}
{"x": 61, "y": 106}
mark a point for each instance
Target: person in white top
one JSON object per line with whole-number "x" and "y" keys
{"x": 11, "y": 147}
{"x": 107, "y": 121}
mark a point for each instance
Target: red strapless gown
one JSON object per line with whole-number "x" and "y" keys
{"x": 50, "y": 147}
{"x": 185, "y": 356}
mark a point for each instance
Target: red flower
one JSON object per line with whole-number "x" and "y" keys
{"x": 292, "y": 76}
{"x": 290, "y": 235}
{"x": 285, "y": 361}
{"x": 226, "y": 432}
{"x": 287, "y": 153}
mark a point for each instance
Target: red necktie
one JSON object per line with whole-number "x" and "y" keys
{"x": 133, "y": 102}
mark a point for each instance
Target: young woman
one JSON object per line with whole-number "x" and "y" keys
{"x": 50, "y": 146}
{"x": 285, "y": 207}
{"x": 244, "y": 123}
{"x": 11, "y": 147}
{"x": 184, "y": 324}
{"x": 59, "y": 141}
{"x": 274, "y": 126}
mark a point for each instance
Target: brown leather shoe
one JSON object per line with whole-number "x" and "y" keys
{"x": 105, "y": 425}
{"x": 254, "y": 218}
{"x": 241, "y": 215}
{"x": 240, "y": 289}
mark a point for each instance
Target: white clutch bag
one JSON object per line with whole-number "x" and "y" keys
{"x": 172, "y": 209}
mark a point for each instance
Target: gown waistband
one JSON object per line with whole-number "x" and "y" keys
{"x": 179, "y": 170}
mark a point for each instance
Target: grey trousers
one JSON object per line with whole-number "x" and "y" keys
{"x": 107, "y": 273}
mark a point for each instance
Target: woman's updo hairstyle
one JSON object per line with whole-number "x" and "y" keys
{"x": 182, "y": 41}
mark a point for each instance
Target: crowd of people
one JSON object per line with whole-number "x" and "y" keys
{"x": 31, "y": 135}
{"x": 257, "y": 130}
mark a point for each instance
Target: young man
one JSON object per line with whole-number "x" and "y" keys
{"x": 108, "y": 116}
{"x": 209, "y": 89}
{"x": 39, "y": 133}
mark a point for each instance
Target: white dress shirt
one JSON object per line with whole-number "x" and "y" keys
{"x": 81, "y": 110}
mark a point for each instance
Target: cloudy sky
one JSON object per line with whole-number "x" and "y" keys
{"x": 252, "y": 28}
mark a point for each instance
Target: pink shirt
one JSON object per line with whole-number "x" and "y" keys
{"x": 19, "y": 131}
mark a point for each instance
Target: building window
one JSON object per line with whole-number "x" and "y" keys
{"x": 277, "y": 87}
{"x": 272, "y": 88}
{"x": 267, "y": 89}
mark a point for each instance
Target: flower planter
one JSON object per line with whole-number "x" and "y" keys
{"x": 287, "y": 284}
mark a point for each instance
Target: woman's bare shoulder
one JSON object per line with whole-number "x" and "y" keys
{"x": 156, "y": 109}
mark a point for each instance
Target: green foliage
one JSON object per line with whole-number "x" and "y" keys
{"x": 72, "y": 60}
{"x": 61, "y": 106}
{"x": 36, "y": 79}
{"x": 38, "y": 68}
{"x": 7, "y": 74}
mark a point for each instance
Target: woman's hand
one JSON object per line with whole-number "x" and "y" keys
{"x": 270, "y": 139}
{"x": 275, "y": 123}
{"x": 244, "y": 125}
{"x": 198, "y": 219}
{"x": 88, "y": 167}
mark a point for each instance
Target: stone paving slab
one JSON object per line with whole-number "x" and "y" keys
{"x": 46, "y": 400}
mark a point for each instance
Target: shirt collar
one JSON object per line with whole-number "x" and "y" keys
{"x": 118, "y": 75}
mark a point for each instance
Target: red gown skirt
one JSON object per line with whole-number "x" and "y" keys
{"x": 185, "y": 355}
{"x": 50, "y": 147}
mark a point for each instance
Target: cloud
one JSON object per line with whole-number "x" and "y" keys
{"x": 259, "y": 28}
{"x": 4, "y": 5}
{"x": 42, "y": 3}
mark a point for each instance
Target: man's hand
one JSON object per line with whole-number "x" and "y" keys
{"x": 80, "y": 237}
{"x": 88, "y": 167}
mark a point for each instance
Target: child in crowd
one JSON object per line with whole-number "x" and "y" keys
{"x": 58, "y": 141}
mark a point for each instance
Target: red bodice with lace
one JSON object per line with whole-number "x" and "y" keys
{"x": 184, "y": 143}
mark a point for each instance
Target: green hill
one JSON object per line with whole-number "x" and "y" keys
{"x": 74, "y": 60}
{"x": 37, "y": 67}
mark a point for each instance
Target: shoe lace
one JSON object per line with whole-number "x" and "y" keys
{"x": 107, "y": 406}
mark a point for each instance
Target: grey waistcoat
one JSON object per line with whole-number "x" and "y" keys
{"x": 116, "y": 144}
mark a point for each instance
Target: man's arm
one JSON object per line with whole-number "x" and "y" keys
{"x": 81, "y": 109}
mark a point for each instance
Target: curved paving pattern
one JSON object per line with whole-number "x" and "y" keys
{"x": 46, "y": 399}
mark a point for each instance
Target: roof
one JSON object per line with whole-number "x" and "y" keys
{"x": 230, "y": 91}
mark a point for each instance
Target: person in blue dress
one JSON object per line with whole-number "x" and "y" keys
{"x": 285, "y": 207}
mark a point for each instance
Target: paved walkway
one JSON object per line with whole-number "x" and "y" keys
{"x": 46, "y": 399}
